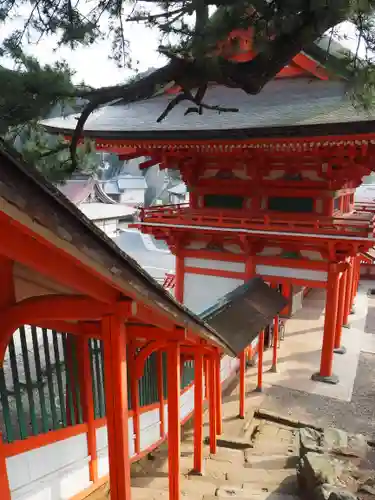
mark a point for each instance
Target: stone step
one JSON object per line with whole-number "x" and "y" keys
{"x": 151, "y": 482}
{"x": 190, "y": 485}
{"x": 267, "y": 449}
{"x": 233, "y": 441}
{"x": 284, "y": 480}
{"x": 151, "y": 494}
{"x": 270, "y": 462}
{"x": 148, "y": 494}
{"x": 247, "y": 493}
{"x": 228, "y": 455}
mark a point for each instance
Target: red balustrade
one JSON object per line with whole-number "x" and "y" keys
{"x": 354, "y": 224}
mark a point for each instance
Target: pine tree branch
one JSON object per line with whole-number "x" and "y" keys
{"x": 250, "y": 76}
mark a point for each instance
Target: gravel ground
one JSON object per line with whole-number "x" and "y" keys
{"x": 356, "y": 416}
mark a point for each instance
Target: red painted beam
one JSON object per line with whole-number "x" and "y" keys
{"x": 43, "y": 257}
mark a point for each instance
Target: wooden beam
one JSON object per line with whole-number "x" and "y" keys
{"x": 35, "y": 310}
{"x": 151, "y": 316}
{"x": 148, "y": 333}
{"x": 44, "y": 258}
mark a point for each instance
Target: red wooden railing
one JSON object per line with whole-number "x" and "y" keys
{"x": 354, "y": 224}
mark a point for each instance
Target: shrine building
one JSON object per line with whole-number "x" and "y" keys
{"x": 77, "y": 314}
{"x": 99, "y": 363}
{"x": 271, "y": 187}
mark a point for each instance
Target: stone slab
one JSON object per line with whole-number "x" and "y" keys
{"x": 270, "y": 462}
{"x": 315, "y": 469}
{"x": 260, "y": 476}
{"x": 299, "y": 359}
{"x": 234, "y": 442}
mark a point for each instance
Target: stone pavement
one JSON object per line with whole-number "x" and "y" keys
{"x": 350, "y": 405}
{"x": 299, "y": 356}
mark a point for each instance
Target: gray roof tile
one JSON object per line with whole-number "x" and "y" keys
{"x": 282, "y": 103}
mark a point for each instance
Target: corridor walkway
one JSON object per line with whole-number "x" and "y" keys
{"x": 348, "y": 405}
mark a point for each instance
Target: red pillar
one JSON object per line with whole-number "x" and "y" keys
{"x": 134, "y": 395}
{"x": 348, "y": 293}
{"x": 275, "y": 344}
{"x": 286, "y": 292}
{"x": 174, "y": 426}
{"x": 330, "y": 206}
{"x": 355, "y": 282}
{"x": 219, "y": 417}
{"x": 180, "y": 278}
{"x": 242, "y": 383}
{"x": 260, "y": 362}
{"x": 339, "y": 349}
{"x": 212, "y": 404}
{"x": 198, "y": 413}
{"x": 116, "y": 394}
{"x": 326, "y": 363}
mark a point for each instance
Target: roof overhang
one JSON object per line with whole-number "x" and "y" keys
{"x": 243, "y": 313}
{"x": 60, "y": 226}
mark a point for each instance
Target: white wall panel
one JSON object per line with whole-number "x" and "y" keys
{"x": 58, "y": 485}
{"x": 215, "y": 264}
{"x": 149, "y": 419}
{"x": 61, "y": 470}
{"x": 187, "y": 403}
{"x": 103, "y": 462}
{"x": 149, "y": 436}
{"x": 288, "y": 272}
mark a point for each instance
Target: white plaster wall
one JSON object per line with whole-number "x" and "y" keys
{"x": 102, "y": 447}
{"x": 61, "y": 470}
{"x": 187, "y": 403}
{"x": 215, "y": 264}
{"x": 53, "y": 472}
{"x": 201, "y": 292}
{"x": 288, "y": 272}
{"x": 149, "y": 424}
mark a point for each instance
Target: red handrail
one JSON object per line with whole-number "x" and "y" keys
{"x": 358, "y": 224}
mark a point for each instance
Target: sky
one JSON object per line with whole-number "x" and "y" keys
{"x": 92, "y": 64}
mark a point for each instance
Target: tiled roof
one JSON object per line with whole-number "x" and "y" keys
{"x": 282, "y": 103}
{"x": 244, "y": 312}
